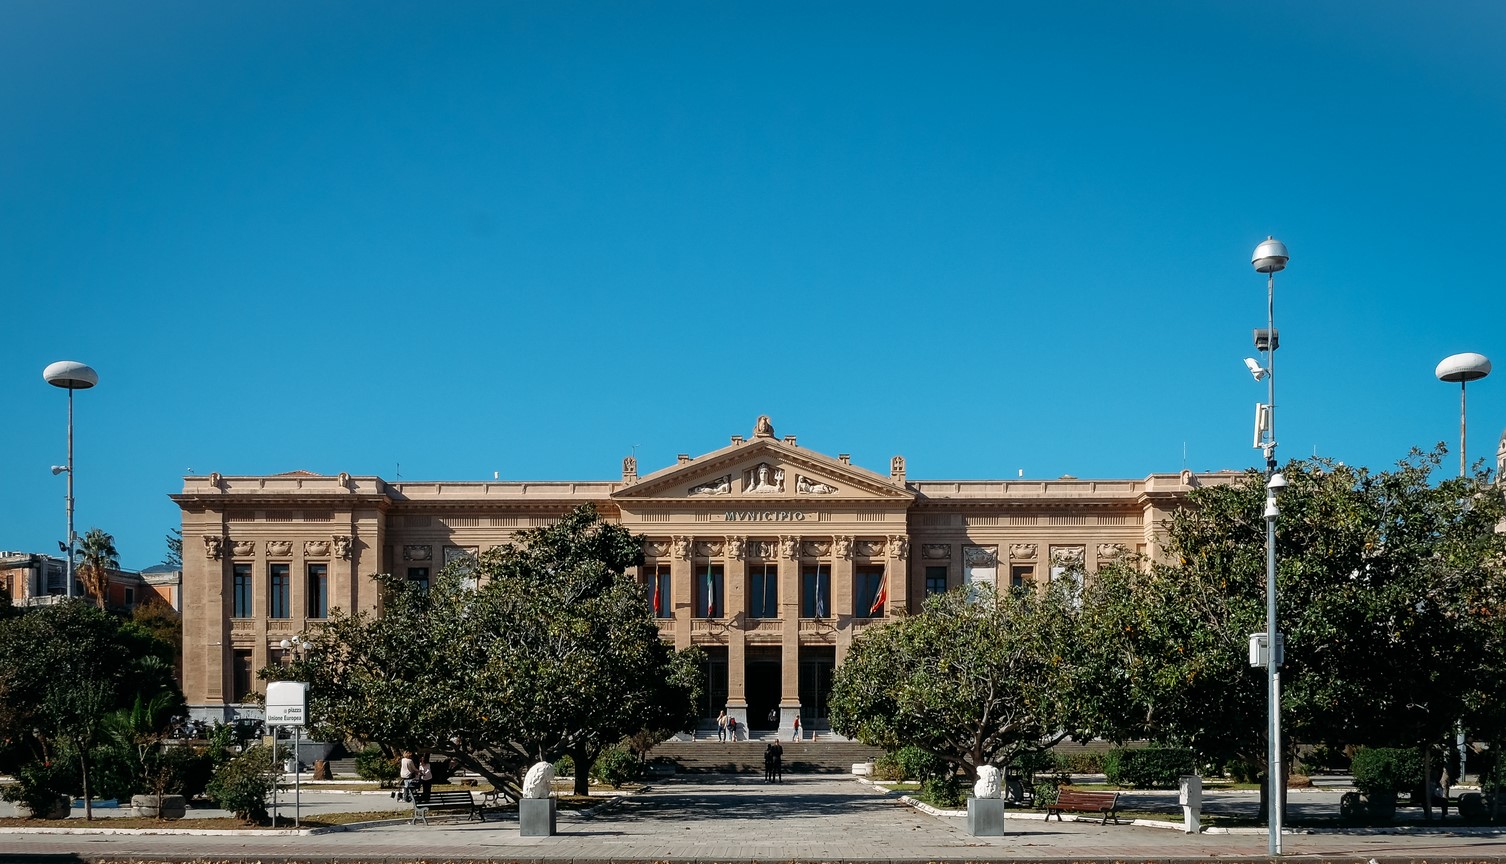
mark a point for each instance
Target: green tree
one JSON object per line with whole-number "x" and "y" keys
{"x": 63, "y": 670}
{"x": 97, "y": 557}
{"x": 1381, "y": 576}
{"x": 974, "y": 679}
{"x": 529, "y": 652}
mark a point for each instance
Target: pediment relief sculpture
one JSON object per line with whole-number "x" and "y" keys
{"x": 936, "y": 551}
{"x": 708, "y": 548}
{"x": 720, "y": 486}
{"x": 212, "y": 544}
{"x": 816, "y": 548}
{"x": 765, "y": 549}
{"x": 279, "y": 548}
{"x": 871, "y": 548}
{"x": 656, "y": 548}
{"x": 243, "y": 548}
{"x": 1110, "y": 551}
{"x": 735, "y": 547}
{"x": 1022, "y": 552}
{"x": 316, "y": 548}
{"x": 980, "y": 556}
{"x": 417, "y": 553}
{"x": 763, "y": 479}
{"x": 808, "y": 486}
{"x": 1068, "y": 556}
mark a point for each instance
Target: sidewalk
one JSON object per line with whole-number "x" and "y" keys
{"x": 739, "y": 818}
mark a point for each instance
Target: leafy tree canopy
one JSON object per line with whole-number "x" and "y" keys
{"x": 530, "y": 651}
{"x": 974, "y": 679}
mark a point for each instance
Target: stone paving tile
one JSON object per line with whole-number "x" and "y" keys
{"x": 712, "y": 818}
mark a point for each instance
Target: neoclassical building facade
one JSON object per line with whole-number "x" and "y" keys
{"x": 769, "y": 556}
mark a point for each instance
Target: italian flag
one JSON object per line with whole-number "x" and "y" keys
{"x": 710, "y": 593}
{"x": 881, "y": 597}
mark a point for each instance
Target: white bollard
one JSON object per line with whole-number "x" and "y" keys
{"x": 1190, "y": 797}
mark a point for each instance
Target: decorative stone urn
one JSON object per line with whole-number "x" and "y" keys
{"x": 159, "y": 806}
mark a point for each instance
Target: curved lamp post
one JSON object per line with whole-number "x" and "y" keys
{"x": 1269, "y": 258}
{"x": 71, "y": 375}
{"x": 1463, "y": 368}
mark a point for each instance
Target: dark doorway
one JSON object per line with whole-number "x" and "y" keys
{"x": 816, "y": 667}
{"x": 762, "y": 683}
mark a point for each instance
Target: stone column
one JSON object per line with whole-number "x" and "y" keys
{"x": 735, "y": 597}
{"x": 897, "y": 571}
{"x": 789, "y": 623}
{"x": 841, "y": 603}
{"x": 681, "y": 589}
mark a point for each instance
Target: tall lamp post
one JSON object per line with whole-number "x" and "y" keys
{"x": 1463, "y": 368}
{"x": 71, "y": 375}
{"x": 1270, "y": 256}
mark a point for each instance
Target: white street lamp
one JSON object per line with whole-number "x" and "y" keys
{"x": 70, "y": 375}
{"x": 1463, "y": 368}
{"x": 1271, "y": 256}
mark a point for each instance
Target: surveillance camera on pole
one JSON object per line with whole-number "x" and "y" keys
{"x": 1255, "y": 368}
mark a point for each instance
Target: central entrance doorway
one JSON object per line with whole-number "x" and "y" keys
{"x": 762, "y": 681}
{"x": 817, "y": 665}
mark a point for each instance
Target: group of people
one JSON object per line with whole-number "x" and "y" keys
{"x": 773, "y": 762}
{"x": 726, "y": 727}
{"x": 417, "y": 777}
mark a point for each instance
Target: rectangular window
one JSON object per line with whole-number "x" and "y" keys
{"x": 240, "y": 606}
{"x": 763, "y": 590}
{"x": 869, "y": 591}
{"x": 130, "y": 597}
{"x": 317, "y": 590}
{"x": 935, "y": 580}
{"x": 815, "y": 591}
{"x": 656, "y": 589}
{"x": 709, "y": 596}
{"x": 419, "y": 576}
{"x": 1022, "y": 576}
{"x": 279, "y": 586}
{"x": 240, "y": 675}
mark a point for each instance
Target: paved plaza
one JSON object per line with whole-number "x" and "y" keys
{"x": 740, "y": 818}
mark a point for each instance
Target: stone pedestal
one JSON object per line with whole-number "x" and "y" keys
{"x": 536, "y": 817}
{"x": 159, "y": 807}
{"x": 985, "y": 817}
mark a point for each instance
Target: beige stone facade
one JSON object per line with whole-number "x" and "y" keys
{"x": 768, "y": 555}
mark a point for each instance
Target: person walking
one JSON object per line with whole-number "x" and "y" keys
{"x": 731, "y": 728}
{"x": 721, "y": 726}
{"x": 407, "y": 772}
{"x": 796, "y": 736}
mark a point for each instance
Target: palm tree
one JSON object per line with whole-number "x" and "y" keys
{"x": 97, "y": 557}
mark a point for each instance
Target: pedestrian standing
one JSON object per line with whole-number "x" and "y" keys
{"x": 425, "y": 776}
{"x": 775, "y": 755}
{"x": 721, "y": 726}
{"x": 796, "y": 736}
{"x": 407, "y": 772}
{"x": 731, "y": 728}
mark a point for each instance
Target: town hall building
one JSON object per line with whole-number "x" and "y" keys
{"x": 769, "y": 556}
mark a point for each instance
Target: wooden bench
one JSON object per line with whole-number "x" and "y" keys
{"x": 459, "y": 799}
{"x": 1071, "y": 800}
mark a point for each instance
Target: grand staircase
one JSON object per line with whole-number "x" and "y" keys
{"x": 710, "y": 756}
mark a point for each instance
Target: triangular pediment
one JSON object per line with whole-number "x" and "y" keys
{"x": 764, "y": 471}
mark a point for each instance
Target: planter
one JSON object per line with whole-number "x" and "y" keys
{"x": 158, "y": 806}
{"x": 1381, "y": 808}
{"x": 61, "y": 807}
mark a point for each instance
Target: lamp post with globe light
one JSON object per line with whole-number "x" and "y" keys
{"x": 71, "y": 375}
{"x": 1463, "y": 368}
{"x": 1269, "y": 258}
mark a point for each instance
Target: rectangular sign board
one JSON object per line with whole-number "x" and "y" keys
{"x": 287, "y": 703}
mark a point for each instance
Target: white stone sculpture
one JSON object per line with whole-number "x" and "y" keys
{"x": 988, "y": 783}
{"x": 539, "y": 781}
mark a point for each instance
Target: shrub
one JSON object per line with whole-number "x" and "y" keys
{"x": 565, "y": 766}
{"x": 373, "y": 764}
{"x": 1079, "y": 762}
{"x": 1148, "y": 768}
{"x": 1381, "y": 772}
{"x": 943, "y": 791}
{"x": 887, "y": 767}
{"x": 242, "y": 784}
{"x": 920, "y": 765}
{"x": 38, "y": 785}
{"x": 615, "y": 767}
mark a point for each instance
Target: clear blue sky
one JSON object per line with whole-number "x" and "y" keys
{"x": 528, "y": 237}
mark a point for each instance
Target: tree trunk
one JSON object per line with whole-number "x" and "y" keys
{"x": 583, "y": 762}
{"x": 1427, "y": 783}
{"x": 83, "y": 764}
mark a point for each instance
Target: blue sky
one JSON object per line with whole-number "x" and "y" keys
{"x": 531, "y": 237}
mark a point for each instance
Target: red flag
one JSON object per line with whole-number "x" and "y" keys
{"x": 883, "y": 594}
{"x": 655, "y": 584}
